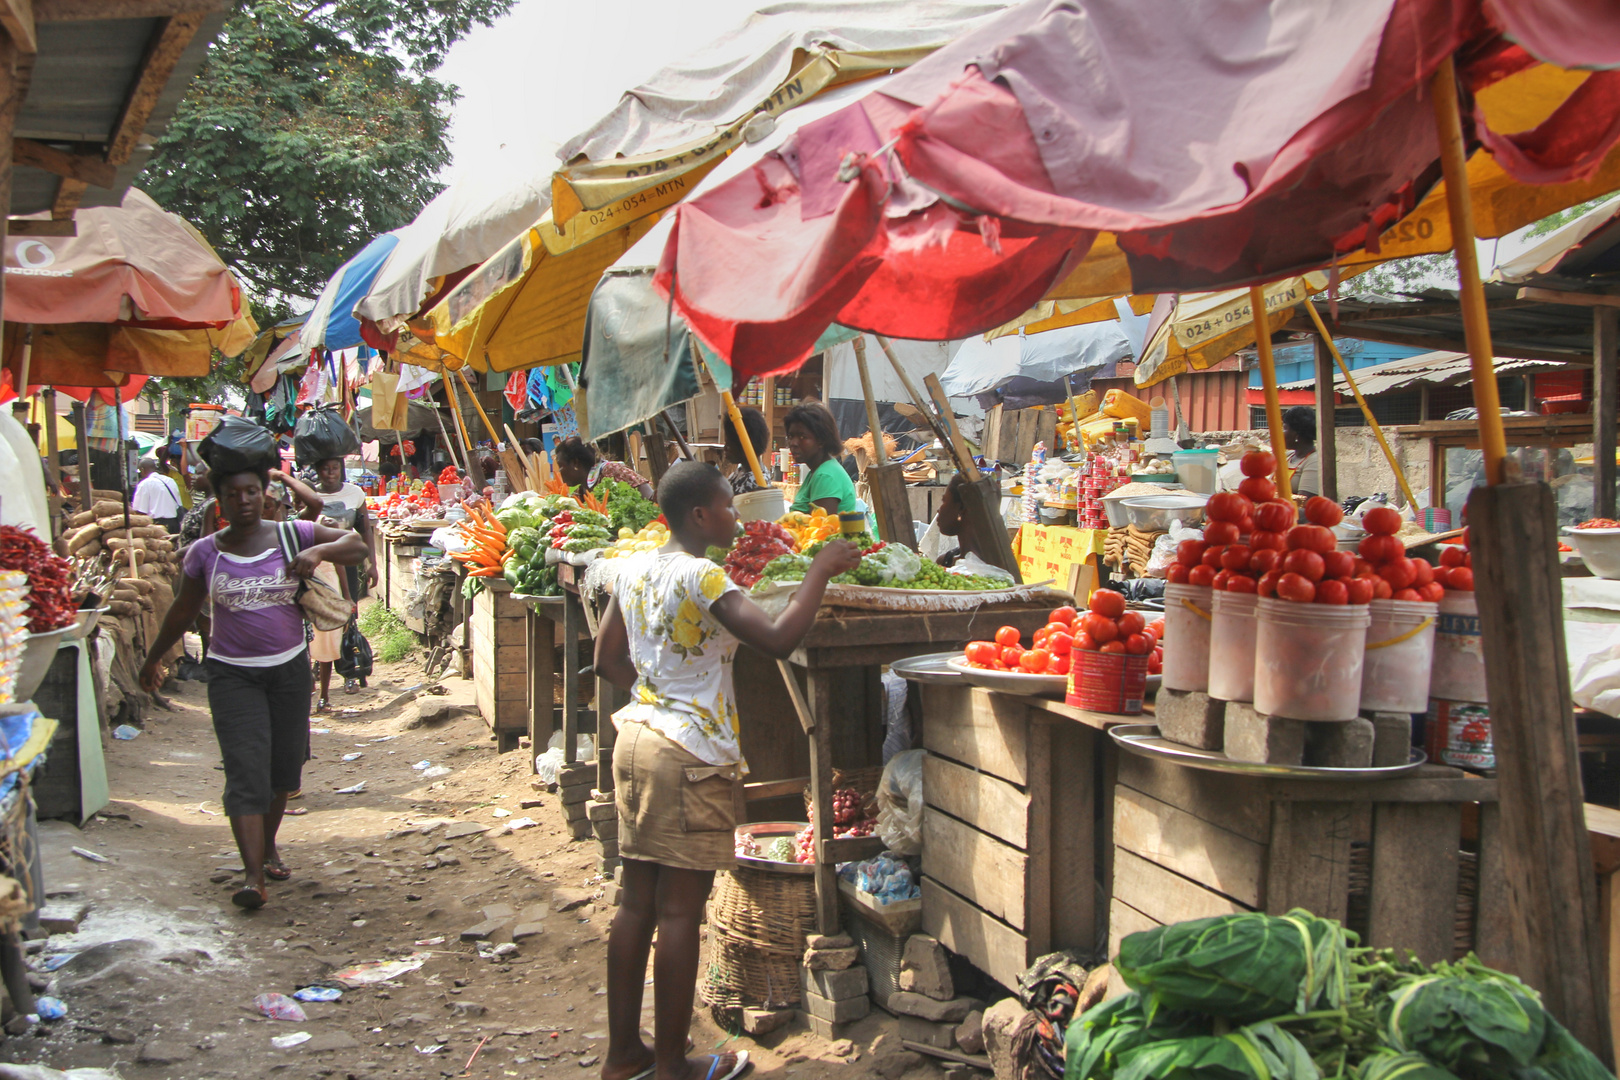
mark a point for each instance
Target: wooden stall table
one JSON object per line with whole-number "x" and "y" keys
{"x": 500, "y": 682}
{"x": 547, "y": 617}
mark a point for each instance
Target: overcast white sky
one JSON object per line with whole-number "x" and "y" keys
{"x": 547, "y": 70}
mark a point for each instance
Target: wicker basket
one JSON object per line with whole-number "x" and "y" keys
{"x": 759, "y": 922}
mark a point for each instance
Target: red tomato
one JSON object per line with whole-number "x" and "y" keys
{"x": 1307, "y": 564}
{"x": 1138, "y": 645}
{"x": 1153, "y": 637}
{"x": 1107, "y": 602}
{"x": 1035, "y": 660}
{"x": 1382, "y": 590}
{"x": 1425, "y": 573}
{"x": 1261, "y": 539}
{"x": 1221, "y": 532}
{"x": 1293, "y": 587}
{"x": 1433, "y": 592}
{"x": 1363, "y": 567}
{"x": 1332, "y": 591}
{"x": 1240, "y": 583}
{"x": 1058, "y": 666}
{"x": 1462, "y": 579}
{"x": 1201, "y": 575}
{"x": 1058, "y": 628}
{"x": 999, "y": 666}
{"x": 1258, "y": 463}
{"x": 1274, "y": 516}
{"x": 1039, "y": 640}
{"x": 1213, "y": 555}
{"x": 1263, "y": 559}
{"x": 1257, "y": 489}
{"x": 1452, "y": 555}
{"x": 1157, "y": 626}
{"x": 1011, "y": 654}
{"x": 1382, "y": 521}
{"x": 1101, "y": 628}
{"x": 1311, "y": 538}
{"x": 1059, "y": 644}
{"x": 1228, "y": 506}
{"x": 1132, "y": 622}
{"x": 1177, "y": 574}
{"x": 1267, "y": 585}
{"x": 1400, "y": 573}
{"x": 1442, "y": 574}
{"x": 1221, "y": 577}
{"x": 1155, "y": 664}
{"x": 1468, "y": 532}
{"x": 1190, "y": 552}
{"x": 1246, "y": 526}
{"x": 1380, "y": 548}
{"x": 1359, "y": 590}
{"x": 1321, "y": 510}
{"x": 1007, "y": 636}
{"x": 1339, "y": 564}
{"x": 1409, "y": 595}
{"x": 982, "y": 652}
{"x": 1083, "y": 642}
{"x": 1236, "y": 557}
{"x": 1065, "y": 615}
{"x": 1114, "y": 647}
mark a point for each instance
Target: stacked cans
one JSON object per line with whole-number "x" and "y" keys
{"x": 1098, "y": 477}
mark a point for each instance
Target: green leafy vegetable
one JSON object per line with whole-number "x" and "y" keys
{"x": 626, "y": 508}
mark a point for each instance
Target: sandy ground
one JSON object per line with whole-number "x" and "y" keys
{"x": 166, "y": 970}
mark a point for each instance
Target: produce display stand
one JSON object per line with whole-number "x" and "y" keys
{"x": 548, "y": 620}
{"x": 500, "y": 659}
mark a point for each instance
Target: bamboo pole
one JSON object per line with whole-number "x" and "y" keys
{"x": 475, "y": 471}
{"x": 878, "y": 452}
{"x": 1268, "y": 380}
{"x": 1366, "y": 410}
{"x": 742, "y": 437}
{"x": 1471, "y": 296}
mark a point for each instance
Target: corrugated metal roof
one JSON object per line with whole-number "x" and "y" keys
{"x": 1439, "y": 368}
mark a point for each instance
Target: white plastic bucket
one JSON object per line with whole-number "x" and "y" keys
{"x": 1307, "y": 659}
{"x": 1231, "y": 646}
{"x": 1458, "y": 672}
{"x": 1186, "y": 636}
{"x": 1198, "y": 469}
{"x": 766, "y": 504}
{"x": 1400, "y": 650}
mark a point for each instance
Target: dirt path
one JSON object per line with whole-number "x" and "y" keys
{"x": 166, "y": 970}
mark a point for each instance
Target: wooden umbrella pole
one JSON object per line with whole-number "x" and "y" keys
{"x": 680, "y": 440}
{"x": 27, "y": 359}
{"x": 1268, "y": 380}
{"x": 1471, "y": 294}
{"x": 878, "y": 453}
{"x": 449, "y": 443}
{"x": 742, "y": 437}
{"x": 1074, "y": 410}
{"x": 489, "y": 427}
{"x": 1366, "y": 410}
{"x": 475, "y": 471}
{"x": 508, "y": 457}
{"x": 934, "y": 423}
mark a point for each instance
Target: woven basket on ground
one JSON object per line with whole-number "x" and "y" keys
{"x": 760, "y": 919}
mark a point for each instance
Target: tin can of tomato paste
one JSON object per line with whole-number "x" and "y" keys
{"x": 1458, "y": 734}
{"x": 1107, "y": 682}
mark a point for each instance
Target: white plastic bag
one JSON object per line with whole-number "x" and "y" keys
{"x": 547, "y": 764}
{"x": 977, "y": 567}
{"x": 902, "y": 563}
{"x": 896, "y": 724}
{"x": 1163, "y": 555}
{"x": 900, "y": 803}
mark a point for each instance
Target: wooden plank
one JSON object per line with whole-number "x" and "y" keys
{"x": 1326, "y": 442}
{"x": 1070, "y": 829}
{"x": 940, "y": 628}
{"x": 775, "y": 789}
{"x": 984, "y": 800}
{"x": 992, "y": 432}
{"x": 979, "y": 867}
{"x": 1575, "y": 299}
{"x": 1236, "y": 804}
{"x": 890, "y": 507}
{"x": 1493, "y": 930}
{"x": 609, "y": 700}
{"x": 47, "y": 11}
{"x": 1605, "y": 406}
{"x": 1124, "y": 920}
{"x": 1460, "y": 788}
{"x": 988, "y": 943}
{"x": 85, "y": 167}
{"x": 1308, "y": 863}
{"x": 68, "y": 194}
{"x": 17, "y": 16}
{"x": 1039, "y": 903}
{"x": 982, "y": 730}
{"x": 541, "y": 659}
{"x": 1231, "y": 864}
{"x": 1414, "y": 878}
{"x": 1547, "y": 855}
{"x": 1164, "y": 896}
{"x": 163, "y": 50}
{"x": 1610, "y": 885}
{"x": 510, "y": 632}
{"x": 1047, "y": 710}
{"x": 572, "y": 618}
{"x": 512, "y": 684}
{"x": 19, "y": 226}
{"x": 819, "y": 683}
{"x": 851, "y": 849}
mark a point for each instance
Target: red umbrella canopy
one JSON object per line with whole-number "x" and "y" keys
{"x": 1221, "y": 144}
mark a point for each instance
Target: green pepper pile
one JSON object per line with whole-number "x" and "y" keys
{"x": 539, "y": 524}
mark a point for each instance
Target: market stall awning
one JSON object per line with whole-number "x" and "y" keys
{"x": 1307, "y": 148}
{"x": 331, "y": 323}
{"x": 981, "y": 365}
{"x": 1442, "y": 368}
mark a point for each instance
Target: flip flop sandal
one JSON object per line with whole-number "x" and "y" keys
{"x": 299, "y": 794}
{"x": 736, "y": 1071}
{"x": 323, "y": 705}
{"x": 277, "y": 871}
{"x": 296, "y": 811}
{"x": 351, "y": 686}
{"x": 249, "y": 898}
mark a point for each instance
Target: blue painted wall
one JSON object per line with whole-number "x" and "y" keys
{"x": 1296, "y": 362}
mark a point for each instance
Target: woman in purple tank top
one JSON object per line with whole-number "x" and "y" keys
{"x": 258, "y": 667}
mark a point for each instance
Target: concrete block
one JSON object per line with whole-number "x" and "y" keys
{"x": 464, "y": 828}
{"x": 578, "y": 794}
{"x": 830, "y": 959}
{"x": 970, "y": 1033}
{"x": 1392, "y": 738}
{"x": 1190, "y": 718}
{"x": 825, "y": 1028}
{"x": 579, "y": 830}
{"x": 925, "y": 968}
{"x": 999, "y": 1021}
{"x": 838, "y": 1011}
{"x": 527, "y": 930}
{"x": 578, "y": 811}
{"x": 1252, "y": 736}
{"x": 606, "y": 864}
{"x": 564, "y": 899}
{"x": 576, "y": 774}
{"x": 851, "y": 982}
{"x": 923, "y": 1007}
{"x": 602, "y": 811}
{"x": 828, "y": 941}
{"x": 64, "y": 917}
{"x": 606, "y": 830}
{"x": 1339, "y": 744}
{"x": 482, "y": 931}
{"x": 497, "y": 912}
{"x": 610, "y": 848}
{"x": 757, "y": 1022}
{"x": 942, "y": 1036}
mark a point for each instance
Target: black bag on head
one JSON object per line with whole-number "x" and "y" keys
{"x": 354, "y": 654}
{"x": 236, "y": 445}
{"x": 321, "y": 433}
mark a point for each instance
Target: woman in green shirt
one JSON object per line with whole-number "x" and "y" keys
{"x": 812, "y": 435}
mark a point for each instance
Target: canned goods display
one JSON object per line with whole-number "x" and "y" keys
{"x": 1459, "y": 734}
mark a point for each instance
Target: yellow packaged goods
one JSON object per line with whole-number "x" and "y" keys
{"x": 1097, "y": 429}
{"x": 1087, "y": 402}
{"x": 1122, "y": 406}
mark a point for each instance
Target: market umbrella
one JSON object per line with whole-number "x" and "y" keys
{"x": 981, "y": 365}
{"x": 331, "y": 323}
{"x": 1310, "y": 127}
{"x": 419, "y": 418}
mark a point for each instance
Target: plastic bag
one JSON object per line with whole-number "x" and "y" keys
{"x": 236, "y": 445}
{"x": 972, "y": 564}
{"x": 547, "y": 764}
{"x": 321, "y": 434}
{"x": 1163, "y": 555}
{"x": 354, "y": 653}
{"x": 896, "y": 724}
{"x": 902, "y": 564}
{"x": 900, "y": 803}
{"x": 280, "y": 1007}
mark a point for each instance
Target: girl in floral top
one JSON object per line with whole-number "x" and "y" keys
{"x": 669, "y": 635}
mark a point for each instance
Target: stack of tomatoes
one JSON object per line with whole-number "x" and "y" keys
{"x": 1456, "y": 569}
{"x": 1395, "y": 575}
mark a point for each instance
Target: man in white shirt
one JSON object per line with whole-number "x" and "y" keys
{"x": 157, "y": 496}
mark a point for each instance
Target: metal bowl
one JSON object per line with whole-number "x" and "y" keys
{"x": 88, "y": 618}
{"x": 766, "y": 831}
{"x": 1154, "y": 513}
{"x": 39, "y": 651}
{"x": 1012, "y": 682}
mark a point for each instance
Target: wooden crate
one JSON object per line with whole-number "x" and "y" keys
{"x": 1382, "y": 857}
{"x": 1009, "y": 844}
{"x": 500, "y": 659}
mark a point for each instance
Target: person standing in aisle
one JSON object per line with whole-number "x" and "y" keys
{"x": 580, "y": 464}
{"x": 759, "y": 436}
{"x": 157, "y": 496}
{"x": 812, "y": 435}
{"x": 258, "y": 666}
{"x": 1299, "y": 437}
{"x": 669, "y": 636}
{"x": 338, "y": 505}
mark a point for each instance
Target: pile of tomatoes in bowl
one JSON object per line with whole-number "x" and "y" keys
{"x": 1106, "y": 626}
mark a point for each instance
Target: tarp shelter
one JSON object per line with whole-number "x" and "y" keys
{"x": 1306, "y": 149}
{"x": 331, "y": 324}
{"x": 981, "y": 365}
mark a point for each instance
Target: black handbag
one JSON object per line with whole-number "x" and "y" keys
{"x": 354, "y": 654}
